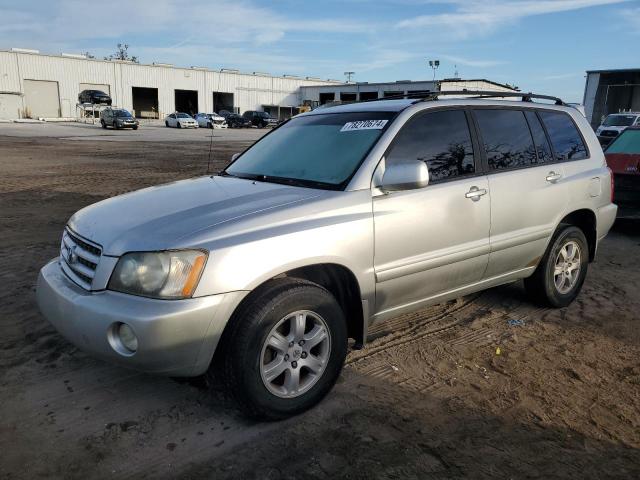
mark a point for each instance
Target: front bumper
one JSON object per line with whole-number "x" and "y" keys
{"x": 175, "y": 337}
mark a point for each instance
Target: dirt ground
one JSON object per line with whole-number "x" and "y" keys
{"x": 429, "y": 397}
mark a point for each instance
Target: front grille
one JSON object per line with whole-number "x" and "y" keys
{"x": 79, "y": 259}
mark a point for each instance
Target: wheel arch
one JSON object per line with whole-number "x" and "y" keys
{"x": 585, "y": 219}
{"x": 339, "y": 280}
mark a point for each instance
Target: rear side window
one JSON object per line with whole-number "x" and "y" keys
{"x": 441, "y": 140}
{"x": 565, "y": 138}
{"x": 539, "y": 138}
{"x": 507, "y": 139}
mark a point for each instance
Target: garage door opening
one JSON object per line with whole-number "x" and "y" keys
{"x": 223, "y": 101}
{"x": 187, "y": 101}
{"x": 41, "y": 99}
{"x": 327, "y": 97}
{"x": 368, "y": 95}
{"x": 393, "y": 93}
{"x": 347, "y": 97}
{"x": 145, "y": 102}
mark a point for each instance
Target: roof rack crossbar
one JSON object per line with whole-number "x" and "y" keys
{"x": 478, "y": 94}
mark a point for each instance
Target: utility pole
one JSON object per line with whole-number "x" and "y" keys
{"x": 434, "y": 64}
{"x": 349, "y": 75}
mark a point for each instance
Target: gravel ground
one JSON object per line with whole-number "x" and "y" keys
{"x": 427, "y": 398}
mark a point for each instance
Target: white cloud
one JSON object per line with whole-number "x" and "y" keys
{"x": 473, "y": 17}
{"x": 631, "y": 17}
{"x": 476, "y": 63}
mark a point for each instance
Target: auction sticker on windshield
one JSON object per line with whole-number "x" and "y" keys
{"x": 364, "y": 125}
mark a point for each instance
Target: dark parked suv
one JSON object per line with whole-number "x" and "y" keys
{"x": 238, "y": 121}
{"x": 94, "y": 96}
{"x": 260, "y": 119}
{"x": 117, "y": 118}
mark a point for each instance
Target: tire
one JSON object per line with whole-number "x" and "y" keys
{"x": 209, "y": 125}
{"x": 104, "y": 125}
{"x": 246, "y": 353}
{"x": 555, "y": 282}
{"x": 115, "y": 126}
{"x": 178, "y": 125}
{"x": 135, "y": 128}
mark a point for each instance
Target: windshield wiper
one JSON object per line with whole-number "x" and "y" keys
{"x": 294, "y": 182}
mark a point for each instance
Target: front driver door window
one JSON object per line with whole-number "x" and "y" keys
{"x": 433, "y": 240}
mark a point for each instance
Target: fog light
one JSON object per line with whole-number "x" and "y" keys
{"x": 127, "y": 337}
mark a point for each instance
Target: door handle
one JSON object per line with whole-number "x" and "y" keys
{"x": 553, "y": 177}
{"x": 475, "y": 193}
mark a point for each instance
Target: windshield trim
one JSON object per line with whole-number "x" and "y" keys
{"x": 318, "y": 185}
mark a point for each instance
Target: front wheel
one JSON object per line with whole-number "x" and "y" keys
{"x": 166, "y": 124}
{"x": 558, "y": 279}
{"x": 285, "y": 349}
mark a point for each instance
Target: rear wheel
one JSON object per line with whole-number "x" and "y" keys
{"x": 284, "y": 350}
{"x": 558, "y": 278}
{"x": 104, "y": 125}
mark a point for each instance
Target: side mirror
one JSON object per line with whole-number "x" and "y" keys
{"x": 405, "y": 176}
{"x": 234, "y": 156}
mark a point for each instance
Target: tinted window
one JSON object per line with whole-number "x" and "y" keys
{"x": 507, "y": 139}
{"x": 441, "y": 140}
{"x": 564, "y": 135}
{"x": 627, "y": 142}
{"x": 539, "y": 138}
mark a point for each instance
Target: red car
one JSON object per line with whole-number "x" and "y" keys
{"x": 623, "y": 158}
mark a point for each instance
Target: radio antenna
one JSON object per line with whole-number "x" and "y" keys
{"x": 210, "y": 152}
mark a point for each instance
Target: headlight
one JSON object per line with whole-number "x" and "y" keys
{"x": 170, "y": 274}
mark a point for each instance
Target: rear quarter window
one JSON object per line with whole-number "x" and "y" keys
{"x": 565, "y": 138}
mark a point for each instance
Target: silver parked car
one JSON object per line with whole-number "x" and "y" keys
{"x": 339, "y": 218}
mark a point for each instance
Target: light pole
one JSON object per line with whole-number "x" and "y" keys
{"x": 349, "y": 75}
{"x": 434, "y": 64}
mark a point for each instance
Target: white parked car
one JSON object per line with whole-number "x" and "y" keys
{"x": 614, "y": 124}
{"x": 210, "y": 120}
{"x": 180, "y": 120}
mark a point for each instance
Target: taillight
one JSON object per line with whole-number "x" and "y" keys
{"x": 612, "y": 183}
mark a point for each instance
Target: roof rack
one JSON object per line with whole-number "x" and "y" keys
{"x": 477, "y": 94}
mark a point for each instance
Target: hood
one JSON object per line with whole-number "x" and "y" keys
{"x": 164, "y": 217}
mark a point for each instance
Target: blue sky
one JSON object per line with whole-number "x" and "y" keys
{"x": 543, "y": 46}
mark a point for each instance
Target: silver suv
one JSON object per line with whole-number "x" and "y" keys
{"x": 338, "y": 219}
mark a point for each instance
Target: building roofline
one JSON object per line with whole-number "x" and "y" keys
{"x": 615, "y": 70}
{"x": 165, "y": 65}
{"x": 498, "y": 84}
{"x": 411, "y": 82}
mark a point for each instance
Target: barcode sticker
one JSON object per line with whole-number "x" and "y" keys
{"x": 364, "y": 125}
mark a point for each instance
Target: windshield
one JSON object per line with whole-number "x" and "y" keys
{"x": 627, "y": 142}
{"x": 263, "y": 114}
{"x": 122, "y": 113}
{"x": 183, "y": 115}
{"x": 619, "y": 120}
{"x": 315, "y": 150}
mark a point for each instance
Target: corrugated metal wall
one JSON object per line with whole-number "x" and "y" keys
{"x": 250, "y": 92}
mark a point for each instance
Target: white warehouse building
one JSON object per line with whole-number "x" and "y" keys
{"x": 42, "y": 86}
{"x": 34, "y": 85}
